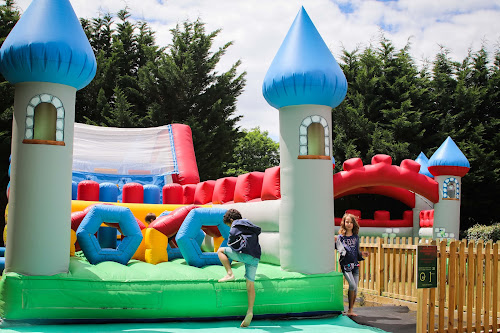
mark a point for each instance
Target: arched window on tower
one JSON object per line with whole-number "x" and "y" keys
{"x": 44, "y": 121}
{"x": 314, "y": 138}
{"x": 451, "y": 189}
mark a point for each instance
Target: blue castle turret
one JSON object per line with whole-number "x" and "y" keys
{"x": 304, "y": 70}
{"x": 304, "y": 82}
{"x": 448, "y": 165}
{"x": 48, "y": 44}
{"x": 48, "y": 58}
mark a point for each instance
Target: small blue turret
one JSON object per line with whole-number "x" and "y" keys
{"x": 424, "y": 162}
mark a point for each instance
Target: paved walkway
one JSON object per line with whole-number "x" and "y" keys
{"x": 388, "y": 318}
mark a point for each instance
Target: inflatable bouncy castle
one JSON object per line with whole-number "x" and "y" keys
{"x": 79, "y": 187}
{"x": 48, "y": 64}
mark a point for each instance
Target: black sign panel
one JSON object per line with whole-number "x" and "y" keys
{"x": 426, "y": 266}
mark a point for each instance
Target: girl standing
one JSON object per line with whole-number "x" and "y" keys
{"x": 347, "y": 243}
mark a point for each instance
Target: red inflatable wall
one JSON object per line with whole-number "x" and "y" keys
{"x": 248, "y": 186}
{"x": 224, "y": 190}
{"x": 271, "y": 184}
{"x": 186, "y": 159}
{"x": 203, "y": 192}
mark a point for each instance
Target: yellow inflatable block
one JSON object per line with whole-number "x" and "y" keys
{"x": 72, "y": 244}
{"x": 217, "y": 242}
{"x": 156, "y": 246}
{"x": 140, "y": 254}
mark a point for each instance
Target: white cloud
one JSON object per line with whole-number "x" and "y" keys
{"x": 258, "y": 27}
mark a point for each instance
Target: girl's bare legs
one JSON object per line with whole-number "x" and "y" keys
{"x": 351, "y": 296}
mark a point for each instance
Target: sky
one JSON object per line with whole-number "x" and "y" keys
{"x": 258, "y": 27}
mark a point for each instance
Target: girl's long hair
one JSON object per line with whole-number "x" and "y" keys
{"x": 354, "y": 219}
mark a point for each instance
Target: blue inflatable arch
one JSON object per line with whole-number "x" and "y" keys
{"x": 189, "y": 232}
{"x": 111, "y": 214}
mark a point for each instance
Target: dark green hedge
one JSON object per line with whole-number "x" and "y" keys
{"x": 484, "y": 232}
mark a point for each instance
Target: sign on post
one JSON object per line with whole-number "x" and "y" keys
{"x": 426, "y": 266}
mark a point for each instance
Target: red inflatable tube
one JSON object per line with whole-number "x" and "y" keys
{"x": 271, "y": 189}
{"x": 204, "y": 192}
{"x": 426, "y": 218}
{"x": 170, "y": 224}
{"x": 88, "y": 190}
{"x": 224, "y": 190}
{"x": 188, "y": 194}
{"x": 172, "y": 194}
{"x": 186, "y": 159}
{"x": 248, "y": 186}
{"x": 133, "y": 193}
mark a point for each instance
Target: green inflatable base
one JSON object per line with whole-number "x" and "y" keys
{"x": 170, "y": 290}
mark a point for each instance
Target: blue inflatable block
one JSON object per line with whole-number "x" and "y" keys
{"x": 175, "y": 252}
{"x": 111, "y": 214}
{"x": 74, "y": 190}
{"x": 152, "y": 194}
{"x": 165, "y": 213}
{"x": 2, "y": 264}
{"x": 189, "y": 231}
{"x": 108, "y": 192}
{"x": 2, "y": 251}
{"x": 107, "y": 237}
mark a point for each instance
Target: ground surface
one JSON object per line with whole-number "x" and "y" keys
{"x": 327, "y": 324}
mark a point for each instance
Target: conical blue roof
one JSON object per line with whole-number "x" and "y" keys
{"x": 448, "y": 154}
{"x": 423, "y": 161}
{"x": 48, "y": 44}
{"x": 304, "y": 70}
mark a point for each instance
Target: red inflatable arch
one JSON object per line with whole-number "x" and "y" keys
{"x": 405, "y": 196}
{"x": 382, "y": 173}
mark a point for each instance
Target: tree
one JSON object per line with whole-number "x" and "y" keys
{"x": 183, "y": 86}
{"x": 254, "y": 151}
{"x": 394, "y": 108}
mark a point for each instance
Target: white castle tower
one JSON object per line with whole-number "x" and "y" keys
{"x": 448, "y": 165}
{"x": 48, "y": 58}
{"x": 304, "y": 82}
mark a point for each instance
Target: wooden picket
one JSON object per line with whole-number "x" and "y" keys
{"x": 467, "y": 296}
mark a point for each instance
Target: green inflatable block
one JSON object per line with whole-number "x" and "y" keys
{"x": 169, "y": 290}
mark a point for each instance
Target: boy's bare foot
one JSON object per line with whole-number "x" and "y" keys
{"x": 227, "y": 278}
{"x": 248, "y": 319}
{"x": 351, "y": 314}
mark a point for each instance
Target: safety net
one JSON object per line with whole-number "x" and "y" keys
{"x": 124, "y": 151}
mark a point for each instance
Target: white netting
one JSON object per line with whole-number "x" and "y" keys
{"x": 124, "y": 151}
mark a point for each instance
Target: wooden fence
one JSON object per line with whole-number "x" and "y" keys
{"x": 467, "y": 296}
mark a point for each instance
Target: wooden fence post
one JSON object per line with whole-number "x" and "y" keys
{"x": 495, "y": 287}
{"x": 461, "y": 285}
{"x": 479, "y": 284}
{"x": 380, "y": 267}
{"x": 442, "y": 283}
{"x": 452, "y": 271}
{"x": 470, "y": 284}
{"x": 487, "y": 286}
